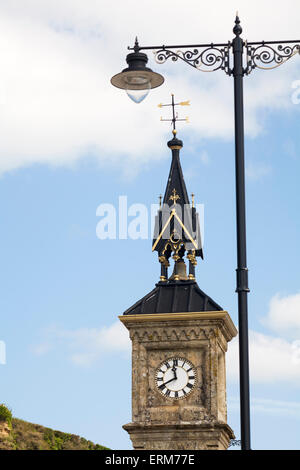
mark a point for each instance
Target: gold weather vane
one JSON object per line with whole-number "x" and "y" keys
{"x": 175, "y": 115}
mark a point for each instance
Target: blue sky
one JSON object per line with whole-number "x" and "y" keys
{"x": 71, "y": 142}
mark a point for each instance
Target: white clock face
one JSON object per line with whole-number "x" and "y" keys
{"x": 175, "y": 377}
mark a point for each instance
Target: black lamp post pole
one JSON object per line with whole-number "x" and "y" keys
{"x": 242, "y": 271}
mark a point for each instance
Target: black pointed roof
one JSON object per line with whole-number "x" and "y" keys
{"x": 174, "y": 297}
{"x": 176, "y": 179}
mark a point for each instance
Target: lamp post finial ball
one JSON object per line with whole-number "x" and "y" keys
{"x": 237, "y": 27}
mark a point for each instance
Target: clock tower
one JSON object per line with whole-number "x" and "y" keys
{"x": 179, "y": 339}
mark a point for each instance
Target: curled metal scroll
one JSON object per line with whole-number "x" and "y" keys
{"x": 208, "y": 59}
{"x": 267, "y": 57}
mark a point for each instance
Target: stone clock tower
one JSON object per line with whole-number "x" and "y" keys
{"x": 179, "y": 339}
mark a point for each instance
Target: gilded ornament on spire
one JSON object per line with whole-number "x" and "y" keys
{"x": 174, "y": 196}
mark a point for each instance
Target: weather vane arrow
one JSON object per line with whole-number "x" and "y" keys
{"x": 175, "y": 114}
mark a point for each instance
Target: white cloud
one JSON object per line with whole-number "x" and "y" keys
{"x": 57, "y": 57}
{"x": 85, "y": 346}
{"x": 284, "y": 315}
{"x": 272, "y": 359}
{"x": 269, "y": 406}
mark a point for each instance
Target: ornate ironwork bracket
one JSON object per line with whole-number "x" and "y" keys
{"x": 265, "y": 55}
{"x": 268, "y": 56}
{"x": 204, "y": 58}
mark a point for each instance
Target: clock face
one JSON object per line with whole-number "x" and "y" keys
{"x": 175, "y": 377}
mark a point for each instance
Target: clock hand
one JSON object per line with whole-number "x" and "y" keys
{"x": 171, "y": 380}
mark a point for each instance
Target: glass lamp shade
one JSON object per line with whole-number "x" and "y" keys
{"x": 137, "y": 96}
{"x": 138, "y": 86}
{"x": 137, "y": 79}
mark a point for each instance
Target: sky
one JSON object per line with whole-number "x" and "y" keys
{"x": 70, "y": 142}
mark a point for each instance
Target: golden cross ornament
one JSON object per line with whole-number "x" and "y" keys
{"x": 175, "y": 196}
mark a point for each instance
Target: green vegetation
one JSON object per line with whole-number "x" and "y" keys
{"x": 16, "y": 434}
{"x": 5, "y": 414}
{"x": 28, "y": 436}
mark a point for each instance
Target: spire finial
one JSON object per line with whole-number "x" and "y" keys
{"x": 136, "y": 45}
{"x": 237, "y": 27}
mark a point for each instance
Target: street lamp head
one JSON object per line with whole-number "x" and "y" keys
{"x": 137, "y": 79}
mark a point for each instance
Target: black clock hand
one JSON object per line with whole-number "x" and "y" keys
{"x": 171, "y": 380}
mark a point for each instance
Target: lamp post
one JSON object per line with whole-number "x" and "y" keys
{"x": 236, "y": 58}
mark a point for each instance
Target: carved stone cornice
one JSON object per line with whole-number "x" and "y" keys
{"x": 219, "y": 319}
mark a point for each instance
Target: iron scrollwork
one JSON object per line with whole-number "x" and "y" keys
{"x": 269, "y": 56}
{"x": 206, "y": 59}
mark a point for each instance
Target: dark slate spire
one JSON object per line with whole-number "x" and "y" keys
{"x": 176, "y": 180}
{"x": 177, "y": 229}
{"x": 176, "y": 235}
